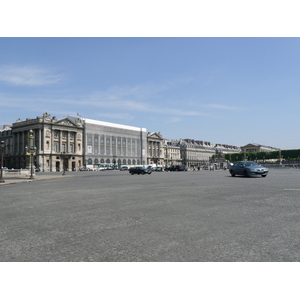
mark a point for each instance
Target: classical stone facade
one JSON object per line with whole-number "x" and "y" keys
{"x": 155, "y": 148}
{"x": 253, "y": 147}
{"x": 74, "y": 142}
{"x": 172, "y": 153}
{"x": 55, "y": 140}
{"x": 194, "y": 152}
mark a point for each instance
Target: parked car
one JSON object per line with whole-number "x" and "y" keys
{"x": 100, "y": 169}
{"x": 176, "y": 168}
{"x": 248, "y": 168}
{"x": 124, "y": 168}
{"x": 84, "y": 169}
{"x": 140, "y": 170}
{"x": 159, "y": 169}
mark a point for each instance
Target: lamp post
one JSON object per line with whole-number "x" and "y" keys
{"x": 166, "y": 157}
{"x": 2, "y": 154}
{"x": 63, "y": 156}
{"x": 114, "y": 161}
{"x": 280, "y": 161}
{"x": 31, "y": 153}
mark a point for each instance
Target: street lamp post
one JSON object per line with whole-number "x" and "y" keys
{"x": 114, "y": 161}
{"x": 2, "y": 154}
{"x": 63, "y": 155}
{"x": 167, "y": 158}
{"x": 31, "y": 153}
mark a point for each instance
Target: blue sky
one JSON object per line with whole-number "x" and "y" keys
{"x": 223, "y": 90}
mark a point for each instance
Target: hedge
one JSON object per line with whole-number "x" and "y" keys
{"x": 285, "y": 154}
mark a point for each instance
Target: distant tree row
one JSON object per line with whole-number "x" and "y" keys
{"x": 285, "y": 155}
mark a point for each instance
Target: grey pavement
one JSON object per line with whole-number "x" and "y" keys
{"x": 178, "y": 217}
{"x": 12, "y": 179}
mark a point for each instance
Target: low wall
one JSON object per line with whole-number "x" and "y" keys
{"x": 13, "y": 172}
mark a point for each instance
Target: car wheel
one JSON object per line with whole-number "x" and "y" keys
{"x": 143, "y": 173}
{"x": 246, "y": 174}
{"x": 131, "y": 173}
{"x": 232, "y": 173}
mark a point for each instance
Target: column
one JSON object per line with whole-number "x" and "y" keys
{"x": 68, "y": 142}
{"x": 60, "y": 140}
{"x": 40, "y": 141}
{"x": 75, "y": 142}
{"x": 93, "y": 145}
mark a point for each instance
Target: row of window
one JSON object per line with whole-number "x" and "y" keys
{"x": 113, "y": 145}
{"x": 64, "y": 147}
{"x": 64, "y": 134}
{"x": 97, "y": 161}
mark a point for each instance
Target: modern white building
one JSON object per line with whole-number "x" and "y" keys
{"x": 113, "y": 144}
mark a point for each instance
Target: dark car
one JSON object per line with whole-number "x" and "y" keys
{"x": 176, "y": 168}
{"x": 248, "y": 168}
{"x": 140, "y": 170}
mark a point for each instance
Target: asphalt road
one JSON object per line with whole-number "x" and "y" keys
{"x": 110, "y": 216}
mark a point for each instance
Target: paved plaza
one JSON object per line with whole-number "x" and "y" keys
{"x": 111, "y": 216}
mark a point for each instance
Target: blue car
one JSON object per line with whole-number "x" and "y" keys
{"x": 248, "y": 168}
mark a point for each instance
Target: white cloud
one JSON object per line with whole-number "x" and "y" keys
{"x": 28, "y": 76}
{"x": 174, "y": 120}
{"x": 220, "y": 106}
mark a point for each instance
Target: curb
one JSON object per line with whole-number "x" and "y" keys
{"x": 22, "y": 179}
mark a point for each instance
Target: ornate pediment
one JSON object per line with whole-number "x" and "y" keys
{"x": 67, "y": 122}
{"x": 155, "y": 135}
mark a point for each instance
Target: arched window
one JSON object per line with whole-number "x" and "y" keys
{"x": 129, "y": 161}
{"x": 124, "y": 161}
{"x": 133, "y": 162}
{"x": 138, "y": 162}
{"x": 90, "y": 161}
{"x": 108, "y": 161}
{"x": 102, "y": 161}
{"x": 96, "y": 161}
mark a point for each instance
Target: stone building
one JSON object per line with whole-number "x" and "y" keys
{"x": 224, "y": 149}
{"x": 253, "y": 147}
{"x": 194, "y": 152}
{"x": 74, "y": 142}
{"x": 113, "y": 144}
{"x": 55, "y": 140}
{"x": 155, "y": 148}
{"x": 172, "y": 152}
{"x": 188, "y": 152}
{"x": 6, "y": 136}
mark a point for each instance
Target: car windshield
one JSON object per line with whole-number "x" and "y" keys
{"x": 246, "y": 164}
{"x": 251, "y": 163}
